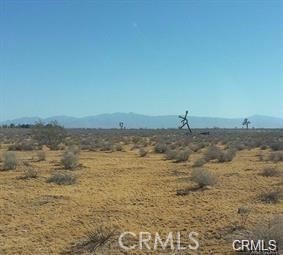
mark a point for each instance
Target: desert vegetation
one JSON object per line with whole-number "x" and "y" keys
{"x": 56, "y": 183}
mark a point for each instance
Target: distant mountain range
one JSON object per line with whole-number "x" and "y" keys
{"x": 133, "y": 120}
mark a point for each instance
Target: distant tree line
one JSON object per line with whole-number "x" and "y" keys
{"x": 12, "y": 125}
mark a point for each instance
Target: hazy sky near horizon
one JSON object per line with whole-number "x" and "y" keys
{"x": 214, "y": 58}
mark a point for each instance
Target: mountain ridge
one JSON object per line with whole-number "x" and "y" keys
{"x": 134, "y": 120}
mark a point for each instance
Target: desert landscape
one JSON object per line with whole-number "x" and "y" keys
{"x": 135, "y": 127}
{"x": 75, "y": 191}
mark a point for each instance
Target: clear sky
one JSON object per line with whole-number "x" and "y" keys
{"x": 79, "y": 58}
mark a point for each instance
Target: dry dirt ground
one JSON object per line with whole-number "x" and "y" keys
{"x": 123, "y": 191}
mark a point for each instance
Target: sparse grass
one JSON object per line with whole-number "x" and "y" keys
{"x": 203, "y": 177}
{"x": 9, "y": 161}
{"x": 62, "y": 178}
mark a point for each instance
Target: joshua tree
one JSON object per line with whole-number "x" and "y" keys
{"x": 185, "y": 122}
{"x": 121, "y": 124}
{"x": 246, "y": 123}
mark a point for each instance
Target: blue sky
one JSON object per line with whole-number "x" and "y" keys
{"x": 215, "y": 58}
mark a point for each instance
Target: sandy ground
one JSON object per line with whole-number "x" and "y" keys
{"x": 124, "y": 191}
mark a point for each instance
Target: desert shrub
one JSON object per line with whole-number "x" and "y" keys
{"x": 70, "y": 159}
{"x": 41, "y": 155}
{"x": 118, "y": 147}
{"x": 136, "y": 139}
{"x": 203, "y": 177}
{"x": 51, "y": 135}
{"x": 212, "y": 152}
{"x": 195, "y": 147}
{"x": 276, "y": 146}
{"x": 29, "y": 174}
{"x": 182, "y": 156}
{"x": 106, "y": 146}
{"x": 261, "y": 157}
{"x": 160, "y": 148}
{"x": 62, "y": 178}
{"x": 226, "y": 156}
{"x": 142, "y": 152}
{"x": 276, "y": 156}
{"x": 183, "y": 192}
{"x": 239, "y": 146}
{"x": 170, "y": 154}
{"x": 263, "y": 147}
{"x": 22, "y": 146}
{"x": 270, "y": 197}
{"x": 272, "y": 230}
{"x": 269, "y": 172}
{"x": 199, "y": 162}
{"x": 9, "y": 161}
{"x": 75, "y": 149}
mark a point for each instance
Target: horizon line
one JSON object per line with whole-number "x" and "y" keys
{"x": 148, "y": 115}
